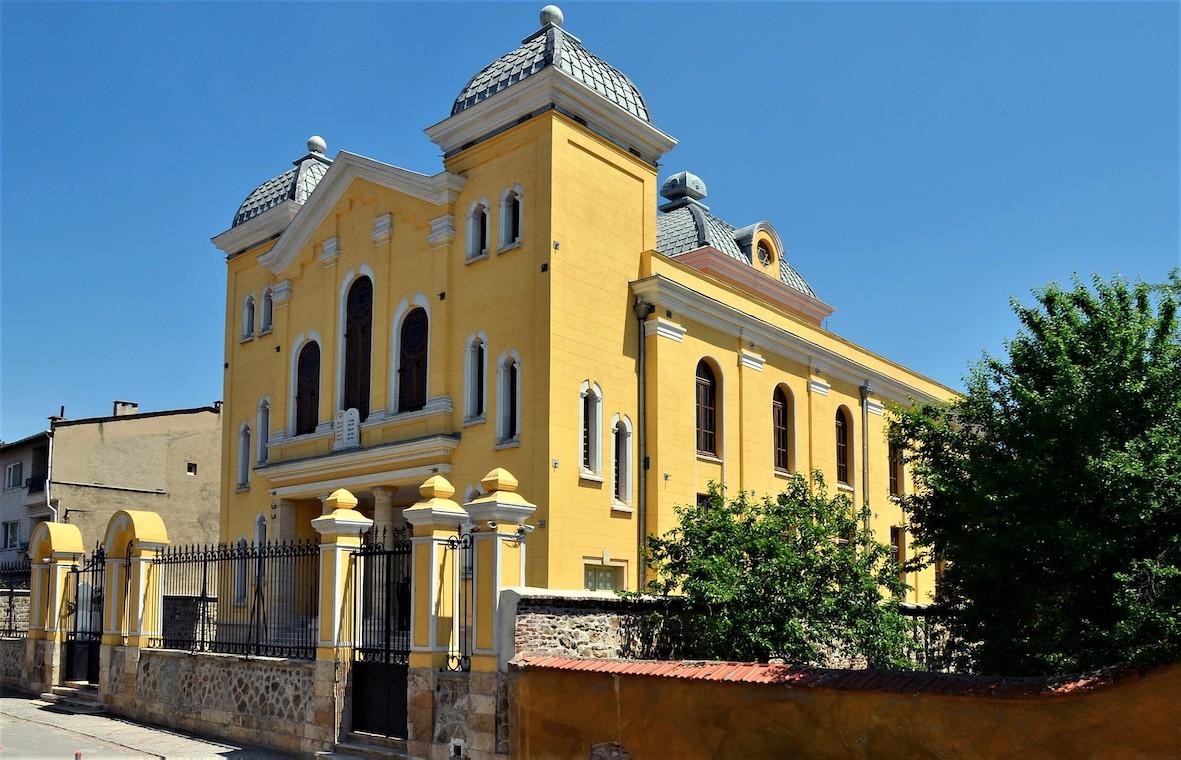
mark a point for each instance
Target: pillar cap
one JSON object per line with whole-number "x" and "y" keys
{"x": 341, "y": 498}
{"x": 436, "y": 510}
{"x": 502, "y": 504}
{"x": 343, "y": 520}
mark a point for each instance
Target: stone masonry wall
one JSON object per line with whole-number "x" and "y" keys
{"x": 262, "y": 701}
{"x": 13, "y": 654}
{"x": 590, "y": 625}
{"x": 14, "y": 609}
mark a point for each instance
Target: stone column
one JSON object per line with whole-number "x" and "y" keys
{"x": 286, "y": 513}
{"x": 383, "y": 513}
{"x": 434, "y": 582}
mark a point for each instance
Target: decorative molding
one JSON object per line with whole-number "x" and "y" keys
{"x": 329, "y": 251}
{"x": 752, "y": 279}
{"x": 664, "y": 328}
{"x": 873, "y": 406}
{"x": 346, "y": 430}
{"x": 410, "y": 476}
{"x": 261, "y": 228}
{"x": 436, "y": 406}
{"x": 382, "y": 227}
{"x": 328, "y": 465}
{"x": 818, "y": 385}
{"x": 281, "y": 293}
{"x": 751, "y": 360}
{"x": 442, "y": 231}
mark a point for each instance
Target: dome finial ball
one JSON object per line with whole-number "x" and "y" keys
{"x": 316, "y": 144}
{"x": 551, "y": 14}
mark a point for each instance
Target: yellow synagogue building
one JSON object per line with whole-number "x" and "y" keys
{"x": 543, "y": 303}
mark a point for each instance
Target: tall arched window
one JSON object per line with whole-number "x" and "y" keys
{"x": 592, "y": 428}
{"x": 412, "y": 352}
{"x": 781, "y": 429}
{"x": 244, "y": 456}
{"x": 622, "y": 471}
{"x": 707, "y": 409}
{"x": 844, "y": 454}
{"x": 477, "y": 233}
{"x": 268, "y": 310}
{"x": 508, "y": 391}
{"x": 307, "y": 389}
{"x": 477, "y": 363}
{"x": 358, "y": 339}
{"x": 264, "y": 429}
{"x": 248, "y": 317}
{"x": 510, "y": 217}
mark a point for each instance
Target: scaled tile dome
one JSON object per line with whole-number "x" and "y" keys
{"x": 553, "y": 46}
{"x": 295, "y": 184}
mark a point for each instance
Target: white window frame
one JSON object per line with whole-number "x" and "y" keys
{"x": 342, "y": 298}
{"x": 263, "y": 430}
{"x": 470, "y": 413}
{"x": 12, "y": 534}
{"x": 474, "y": 252}
{"x": 506, "y": 217}
{"x": 502, "y": 407}
{"x": 620, "y": 569}
{"x": 405, "y": 306}
{"x": 244, "y": 455}
{"x": 590, "y": 390}
{"x": 268, "y": 311}
{"x": 297, "y": 345}
{"x": 14, "y": 476}
{"x": 248, "y": 317}
{"x": 627, "y": 465}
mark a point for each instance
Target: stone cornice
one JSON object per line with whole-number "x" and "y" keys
{"x": 324, "y": 465}
{"x": 261, "y": 228}
{"x": 722, "y": 266}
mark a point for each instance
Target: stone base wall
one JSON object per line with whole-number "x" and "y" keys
{"x": 588, "y": 625}
{"x": 465, "y": 710}
{"x": 14, "y": 609}
{"x": 284, "y": 704}
{"x": 44, "y": 661}
{"x": 13, "y": 659}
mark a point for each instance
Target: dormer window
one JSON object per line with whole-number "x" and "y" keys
{"x": 766, "y": 257}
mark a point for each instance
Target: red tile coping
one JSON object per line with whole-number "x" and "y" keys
{"x": 950, "y": 684}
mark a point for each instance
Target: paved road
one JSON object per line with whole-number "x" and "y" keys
{"x": 33, "y": 729}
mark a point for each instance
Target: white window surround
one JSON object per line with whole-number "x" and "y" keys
{"x": 293, "y": 377}
{"x": 719, "y": 411}
{"x": 502, "y": 407}
{"x": 12, "y": 535}
{"x": 263, "y": 427}
{"x": 268, "y": 310}
{"x": 14, "y": 475}
{"x": 595, "y": 424}
{"x": 626, "y": 464}
{"x": 244, "y": 456}
{"x": 506, "y": 217}
{"x": 405, "y": 306}
{"x": 474, "y": 251}
{"x": 248, "y": 317}
{"x": 469, "y": 373}
{"x": 341, "y": 323}
{"x": 792, "y": 443}
{"x": 601, "y": 569}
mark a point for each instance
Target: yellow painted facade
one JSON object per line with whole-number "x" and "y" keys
{"x": 559, "y": 301}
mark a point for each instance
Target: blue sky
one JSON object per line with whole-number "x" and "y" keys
{"x": 923, "y": 162}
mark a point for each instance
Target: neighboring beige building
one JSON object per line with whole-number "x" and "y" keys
{"x": 168, "y": 462}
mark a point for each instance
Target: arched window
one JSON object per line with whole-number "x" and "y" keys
{"x": 895, "y": 469}
{"x": 622, "y": 437}
{"x": 510, "y": 218}
{"x": 766, "y": 258}
{"x": 268, "y": 310}
{"x": 781, "y": 429}
{"x": 264, "y": 429}
{"x": 412, "y": 351}
{"x": 358, "y": 339}
{"x": 844, "y": 453}
{"x": 707, "y": 409}
{"x": 307, "y": 385}
{"x": 244, "y": 456}
{"x": 477, "y": 233}
{"x": 592, "y": 428}
{"x": 476, "y": 366}
{"x": 248, "y": 317}
{"x": 508, "y": 392}
{"x": 240, "y": 569}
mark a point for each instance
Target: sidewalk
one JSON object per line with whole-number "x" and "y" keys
{"x": 30, "y": 728}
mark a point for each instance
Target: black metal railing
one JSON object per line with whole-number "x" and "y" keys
{"x": 14, "y": 599}
{"x": 461, "y": 559}
{"x": 382, "y": 578}
{"x": 247, "y": 599}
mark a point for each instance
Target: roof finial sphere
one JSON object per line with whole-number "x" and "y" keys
{"x": 316, "y": 144}
{"x": 552, "y": 14}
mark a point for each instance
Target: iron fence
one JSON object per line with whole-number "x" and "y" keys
{"x": 14, "y": 599}
{"x": 460, "y": 552}
{"x": 247, "y": 599}
{"x": 382, "y": 570}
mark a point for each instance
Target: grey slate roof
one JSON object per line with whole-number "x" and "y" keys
{"x": 551, "y": 46}
{"x": 297, "y": 183}
{"x": 690, "y": 226}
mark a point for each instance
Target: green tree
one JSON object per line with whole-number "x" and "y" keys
{"x": 1052, "y": 488}
{"x": 797, "y": 576}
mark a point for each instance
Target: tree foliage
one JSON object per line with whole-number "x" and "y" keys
{"x": 797, "y": 577}
{"x": 1052, "y": 488}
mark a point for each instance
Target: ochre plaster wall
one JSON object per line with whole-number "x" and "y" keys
{"x": 562, "y": 714}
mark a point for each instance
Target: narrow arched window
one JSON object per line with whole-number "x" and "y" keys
{"x": 248, "y": 317}
{"x": 244, "y": 456}
{"x": 844, "y": 461}
{"x": 622, "y": 471}
{"x": 781, "y": 429}
{"x": 477, "y": 359}
{"x": 478, "y": 231}
{"x": 895, "y": 469}
{"x": 707, "y": 409}
{"x": 264, "y": 429}
{"x": 358, "y": 339}
{"x": 307, "y": 393}
{"x": 509, "y": 401}
{"x": 592, "y": 437}
{"x": 510, "y": 218}
{"x": 268, "y": 310}
{"x": 412, "y": 353}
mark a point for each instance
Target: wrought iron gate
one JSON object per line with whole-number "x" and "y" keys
{"x": 381, "y": 655}
{"x": 84, "y": 618}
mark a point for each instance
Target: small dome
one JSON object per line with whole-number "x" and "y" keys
{"x": 553, "y": 46}
{"x": 296, "y": 184}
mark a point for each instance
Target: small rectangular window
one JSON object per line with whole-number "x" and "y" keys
{"x": 14, "y": 475}
{"x": 895, "y": 470}
{"x": 898, "y": 546}
{"x": 603, "y": 577}
{"x": 702, "y": 500}
{"x": 11, "y": 535}
{"x": 191, "y": 468}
